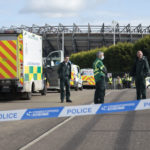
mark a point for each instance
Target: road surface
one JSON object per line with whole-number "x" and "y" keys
{"x": 117, "y": 131}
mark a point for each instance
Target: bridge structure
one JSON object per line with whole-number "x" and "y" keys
{"x": 75, "y": 38}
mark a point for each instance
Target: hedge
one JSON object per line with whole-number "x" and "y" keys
{"x": 85, "y": 58}
{"x": 118, "y": 58}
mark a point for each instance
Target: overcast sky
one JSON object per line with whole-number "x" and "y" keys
{"x": 67, "y": 12}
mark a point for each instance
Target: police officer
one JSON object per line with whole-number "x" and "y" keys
{"x": 119, "y": 82}
{"x": 110, "y": 82}
{"x": 140, "y": 71}
{"x": 126, "y": 81}
{"x": 123, "y": 82}
{"x": 99, "y": 75}
{"x": 129, "y": 81}
{"x": 64, "y": 73}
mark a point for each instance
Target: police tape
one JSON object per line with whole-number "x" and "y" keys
{"x": 67, "y": 111}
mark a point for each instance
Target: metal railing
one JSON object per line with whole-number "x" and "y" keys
{"x": 107, "y": 29}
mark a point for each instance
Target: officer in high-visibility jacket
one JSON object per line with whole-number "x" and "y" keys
{"x": 110, "y": 82}
{"x": 119, "y": 82}
{"x": 100, "y": 72}
{"x": 129, "y": 81}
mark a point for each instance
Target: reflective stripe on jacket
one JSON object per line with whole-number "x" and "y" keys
{"x": 99, "y": 69}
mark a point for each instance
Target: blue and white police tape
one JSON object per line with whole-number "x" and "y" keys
{"x": 55, "y": 112}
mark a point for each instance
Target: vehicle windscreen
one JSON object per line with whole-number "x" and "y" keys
{"x": 87, "y": 73}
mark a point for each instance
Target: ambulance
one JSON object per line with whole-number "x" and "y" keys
{"x": 21, "y": 70}
{"x": 88, "y": 77}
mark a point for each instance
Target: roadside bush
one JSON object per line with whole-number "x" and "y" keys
{"x": 118, "y": 58}
{"x": 144, "y": 45}
{"x": 85, "y": 59}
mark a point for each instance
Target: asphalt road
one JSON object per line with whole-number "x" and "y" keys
{"x": 117, "y": 131}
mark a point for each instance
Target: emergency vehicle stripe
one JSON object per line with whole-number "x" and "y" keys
{"x": 84, "y": 77}
{"x": 8, "y": 57}
{"x": 1, "y": 76}
{"x": 6, "y": 71}
{"x": 9, "y": 51}
{"x": 92, "y": 83}
{"x": 21, "y": 58}
{"x": 71, "y": 82}
{"x": 72, "y": 75}
{"x": 21, "y": 41}
{"x": 21, "y": 55}
{"x": 21, "y": 52}
{"x": 12, "y": 73}
{"x": 4, "y": 74}
{"x": 92, "y": 77}
{"x": 89, "y": 79}
{"x": 13, "y": 44}
{"x": 21, "y": 81}
{"x": 8, "y": 61}
{"x": 12, "y": 47}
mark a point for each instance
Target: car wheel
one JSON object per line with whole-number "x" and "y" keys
{"x": 28, "y": 95}
{"x": 148, "y": 86}
{"x": 81, "y": 88}
{"x": 76, "y": 88}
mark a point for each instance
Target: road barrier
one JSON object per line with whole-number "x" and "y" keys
{"x": 67, "y": 111}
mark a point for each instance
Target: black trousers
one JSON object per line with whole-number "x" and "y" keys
{"x": 100, "y": 91}
{"x": 140, "y": 88}
{"x": 65, "y": 83}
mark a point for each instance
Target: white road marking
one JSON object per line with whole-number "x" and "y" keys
{"x": 50, "y": 131}
{"x": 108, "y": 93}
{"x": 45, "y": 134}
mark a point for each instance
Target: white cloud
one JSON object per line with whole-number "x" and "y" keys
{"x": 109, "y": 14}
{"x": 101, "y": 17}
{"x": 53, "y": 8}
{"x": 57, "y": 8}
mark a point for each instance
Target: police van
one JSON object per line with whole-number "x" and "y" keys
{"x": 148, "y": 82}
{"x": 51, "y": 64}
{"x": 76, "y": 79}
{"x": 88, "y": 77}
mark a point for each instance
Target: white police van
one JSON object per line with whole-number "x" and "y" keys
{"x": 148, "y": 82}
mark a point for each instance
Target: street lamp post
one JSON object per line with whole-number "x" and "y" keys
{"x": 114, "y": 28}
{"x": 63, "y": 41}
